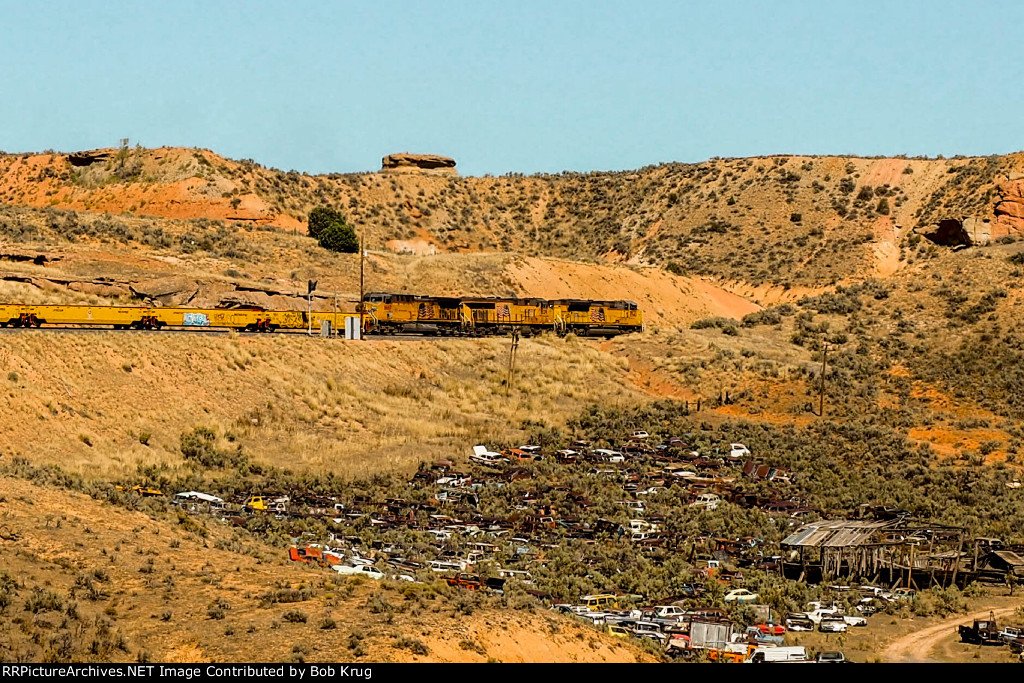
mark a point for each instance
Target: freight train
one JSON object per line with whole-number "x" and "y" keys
{"x": 383, "y": 314}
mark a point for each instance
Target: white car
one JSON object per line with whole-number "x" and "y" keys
{"x": 483, "y": 456}
{"x": 669, "y": 611}
{"x": 833, "y": 624}
{"x": 651, "y": 491}
{"x": 708, "y": 501}
{"x": 647, "y": 629}
{"x": 361, "y": 570}
{"x": 610, "y": 456}
{"x": 441, "y": 566}
{"x": 595, "y": 618}
{"x": 741, "y": 595}
{"x": 637, "y": 506}
{"x": 642, "y": 526}
{"x": 817, "y": 615}
{"x": 640, "y": 434}
{"x": 1010, "y": 633}
{"x": 738, "y": 450}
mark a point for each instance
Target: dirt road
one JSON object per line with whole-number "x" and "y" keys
{"x": 918, "y": 646}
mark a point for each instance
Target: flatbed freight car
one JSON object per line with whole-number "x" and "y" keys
{"x": 156, "y": 317}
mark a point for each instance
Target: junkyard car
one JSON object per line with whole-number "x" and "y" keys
{"x": 1011, "y": 633}
{"x": 740, "y": 595}
{"x": 830, "y": 658}
{"x": 362, "y": 570}
{"x": 645, "y": 629}
{"x": 832, "y": 624}
{"x": 799, "y": 622}
{"x": 738, "y": 450}
{"x": 488, "y": 459}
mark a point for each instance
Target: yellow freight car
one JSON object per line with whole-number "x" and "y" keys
{"x": 154, "y": 318}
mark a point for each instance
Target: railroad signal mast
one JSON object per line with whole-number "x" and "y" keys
{"x": 310, "y": 286}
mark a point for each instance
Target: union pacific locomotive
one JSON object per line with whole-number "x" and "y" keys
{"x": 387, "y": 313}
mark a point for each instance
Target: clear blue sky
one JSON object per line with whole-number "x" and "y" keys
{"x": 520, "y": 85}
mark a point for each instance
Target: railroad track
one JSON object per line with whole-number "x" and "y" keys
{"x": 50, "y": 329}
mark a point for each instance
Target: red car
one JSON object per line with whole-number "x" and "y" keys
{"x": 771, "y": 629}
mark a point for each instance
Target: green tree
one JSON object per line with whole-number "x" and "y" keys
{"x": 339, "y": 237}
{"x": 320, "y": 218}
{"x": 329, "y": 228}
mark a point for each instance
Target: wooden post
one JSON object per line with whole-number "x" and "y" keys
{"x": 824, "y": 356}
{"x": 512, "y": 361}
{"x": 931, "y": 562}
{"x": 956, "y": 564}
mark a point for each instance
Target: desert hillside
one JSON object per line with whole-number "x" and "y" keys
{"x": 853, "y": 320}
{"x": 795, "y": 220}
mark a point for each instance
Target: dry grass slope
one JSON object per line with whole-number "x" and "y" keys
{"x": 107, "y": 403}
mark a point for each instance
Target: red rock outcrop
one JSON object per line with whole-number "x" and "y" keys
{"x": 1009, "y": 210}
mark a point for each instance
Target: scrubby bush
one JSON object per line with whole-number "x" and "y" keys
{"x": 726, "y": 325}
{"x": 200, "y": 446}
{"x": 417, "y": 647}
{"x": 295, "y": 617}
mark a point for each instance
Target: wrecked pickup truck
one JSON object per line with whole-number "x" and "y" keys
{"x": 982, "y": 632}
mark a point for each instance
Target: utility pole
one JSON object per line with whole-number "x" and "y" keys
{"x": 362, "y": 259}
{"x": 512, "y": 361}
{"x": 824, "y": 357}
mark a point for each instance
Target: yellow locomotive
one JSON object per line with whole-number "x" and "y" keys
{"x": 387, "y": 313}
